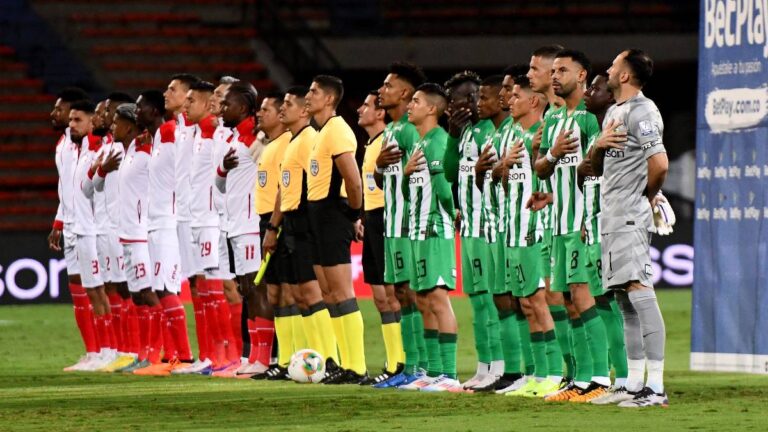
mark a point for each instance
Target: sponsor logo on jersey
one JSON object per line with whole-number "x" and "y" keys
{"x": 286, "y": 178}
{"x": 615, "y": 153}
{"x": 517, "y": 176}
{"x": 573, "y": 159}
{"x": 392, "y": 169}
{"x": 314, "y": 167}
{"x": 416, "y": 180}
{"x": 370, "y": 182}
{"x": 262, "y": 178}
{"x": 646, "y": 128}
{"x": 466, "y": 168}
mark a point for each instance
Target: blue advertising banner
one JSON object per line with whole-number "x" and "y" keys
{"x": 730, "y": 290}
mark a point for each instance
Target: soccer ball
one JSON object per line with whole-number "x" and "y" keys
{"x": 306, "y": 366}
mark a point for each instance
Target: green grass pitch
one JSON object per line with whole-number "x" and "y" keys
{"x": 37, "y": 341}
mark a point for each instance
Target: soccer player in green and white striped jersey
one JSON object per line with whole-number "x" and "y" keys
{"x": 399, "y": 137}
{"x": 468, "y": 136}
{"x": 597, "y": 100}
{"x": 567, "y": 135}
{"x": 432, "y": 232}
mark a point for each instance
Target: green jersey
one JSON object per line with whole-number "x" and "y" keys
{"x": 591, "y": 188}
{"x": 493, "y": 193}
{"x": 568, "y": 200}
{"x": 431, "y": 201}
{"x": 403, "y": 134}
{"x": 545, "y": 185}
{"x": 470, "y": 144}
{"x": 522, "y": 181}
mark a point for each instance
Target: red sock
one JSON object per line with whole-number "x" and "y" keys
{"x": 84, "y": 317}
{"x": 262, "y": 333}
{"x": 102, "y": 331}
{"x": 130, "y": 327}
{"x": 144, "y": 324}
{"x": 116, "y": 308}
{"x": 216, "y": 290}
{"x": 215, "y": 337}
{"x": 112, "y": 337}
{"x": 169, "y": 344}
{"x": 235, "y": 315}
{"x": 200, "y": 324}
{"x": 155, "y": 334}
{"x": 177, "y": 322}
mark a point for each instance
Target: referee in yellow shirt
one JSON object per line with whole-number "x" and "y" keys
{"x": 371, "y": 118}
{"x": 335, "y": 199}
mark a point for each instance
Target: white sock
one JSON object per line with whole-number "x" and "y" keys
{"x": 620, "y": 382}
{"x": 497, "y": 368}
{"x": 581, "y": 384}
{"x": 602, "y": 380}
{"x": 482, "y": 369}
{"x": 555, "y": 378}
{"x": 636, "y": 375}
{"x": 656, "y": 375}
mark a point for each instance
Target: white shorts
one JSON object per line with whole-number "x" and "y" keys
{"x": 206, "y": 246}
{"x": 246, "y": 249}
{"x": 88, "y": 258}
{"x": 138, "y": 267}
{"x": 224, "y": 272}
{"x": 166, "y": 265}
{"x": 187, "y": 250}
{"x": 111, "y": 257}
{"x": 70, "y": 254}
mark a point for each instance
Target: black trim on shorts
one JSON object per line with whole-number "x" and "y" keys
{"x": 373, "y": 247}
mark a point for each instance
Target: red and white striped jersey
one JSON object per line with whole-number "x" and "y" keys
{"x": 238, "y": 184}
{"x": 203, "y": 205}
{"x": 107, "y": 189}
{"x": 185, "y": 138}
{"x": 162, "y": 178}
{"x": 133, "y": 187}
{"x": 82, "y": 199}
{"x": 66, "y": 161}
{"x": 220, "y": 147}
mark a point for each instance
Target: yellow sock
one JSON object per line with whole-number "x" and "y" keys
{"x": 341, "y": 341}
{"x": 354, "y": 330}
{"x": 310, "y": 332}
{"x": 325, "y": 335}
{"x": 299, "y": 337}
{"x": 284, "y": 330}
{"x": 393, "y": 343}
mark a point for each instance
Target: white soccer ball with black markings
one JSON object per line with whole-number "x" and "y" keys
{"x": 306, "y": 366}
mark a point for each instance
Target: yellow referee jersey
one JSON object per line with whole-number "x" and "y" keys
{"x": 293, "y": 177}
{"x": 268, "y": 171}
{"x": 324, "y": 179}
{"x": 373, "y": 197}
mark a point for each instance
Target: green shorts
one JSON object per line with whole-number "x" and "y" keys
{"x": 569, "y": 256}
{"x": 546, "y": 254}
{"x": 398, "y": 260}
{"x": 476, "y": 265}
{"x": 595, "y": 269}
{"x": 434, "y": 264}
{"x": 500, "y": 274}
{"x": 525, "y": 269}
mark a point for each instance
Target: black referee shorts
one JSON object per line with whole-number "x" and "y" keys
{"x": 332, "y": 231}
{"x": 295, "y": 263}
{"x": 373, "y": 247}
{"x": 271, "y": 275}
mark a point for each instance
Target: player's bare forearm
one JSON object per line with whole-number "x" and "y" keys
{"x": 348, "y": 169}
{"x": 379, "y": 179}
{"x": 658, "y": 166}
{"x": 596, "y": 160}
{"x": 544, "y": 168}
{"x": 277, "y": 214}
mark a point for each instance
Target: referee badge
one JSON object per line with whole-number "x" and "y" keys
{"x": 314, "y": 167}
{"x": 262, "y": 178}
{"x": 286, "y": 178}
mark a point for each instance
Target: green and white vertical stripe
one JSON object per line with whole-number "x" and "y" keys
{"x": 592, "y": 209}
{"x": 401, "y": 133}
{"x": 522, "y": 182}
{"x": 470, "y": 197}
{"x": 494, "y": 197}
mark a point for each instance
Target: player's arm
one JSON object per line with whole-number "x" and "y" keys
{"x": 565, "y": 143}
{"x": 229, "y": 162}
{"x": 347, "y": 166}
{"x": 88, "y": 183}
{"x": 270, "y": 239}
{"x": 387, "y": 156}
{"x": 451, "y": 160}
{"x": 612, "y": 137}
{"x": 646, "y": 124}
{"x": 658, "y": 165}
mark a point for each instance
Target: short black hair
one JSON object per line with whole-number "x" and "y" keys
{"x": 185, "y": 78}
{"x": 523, "y": 81}
{"x": 155, "y": 99}
{"x": 120, "y": 97}
{"x": 248, "y": 93}
{"x": 203, "y": 86}
{"x": 408, "y": 72}
{"x": 577, "y": 56}
{"x": 434, "y": 89}
{"x": 641, "y": 65}
{"x": 278, "y": 96}
{"x": 547, "y": 51}
{"x": 72, "y": 94}
{"x": 492, "y": 81}
{"x": 516, "y": 70}
{"x": 83, "y": 105}
{"x": 332, "y": 84}
{"x": 375, "y": 94}
{"x": 462, "y": 77}
{"x": 298, "y": 91}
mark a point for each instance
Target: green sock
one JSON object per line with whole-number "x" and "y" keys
{"x": 494, "y": 330}
{"x": 418, "y": 335}
{"x": 409, "y": 339}
{"x": 510, "y": 341}
{"x": 581, "y": 354}
{"x": 539, "y": 354}
{"x": 480, "y": 326}
{"x": 614, "y": 328}
{"x": 524, "y": 330}
{"x": 554, "y": 356}
{"x": 447, "y": 343}
{"x": 597, "y": 341}
{"x": 562, "y": 331}
{"x": 434, "y": 357}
